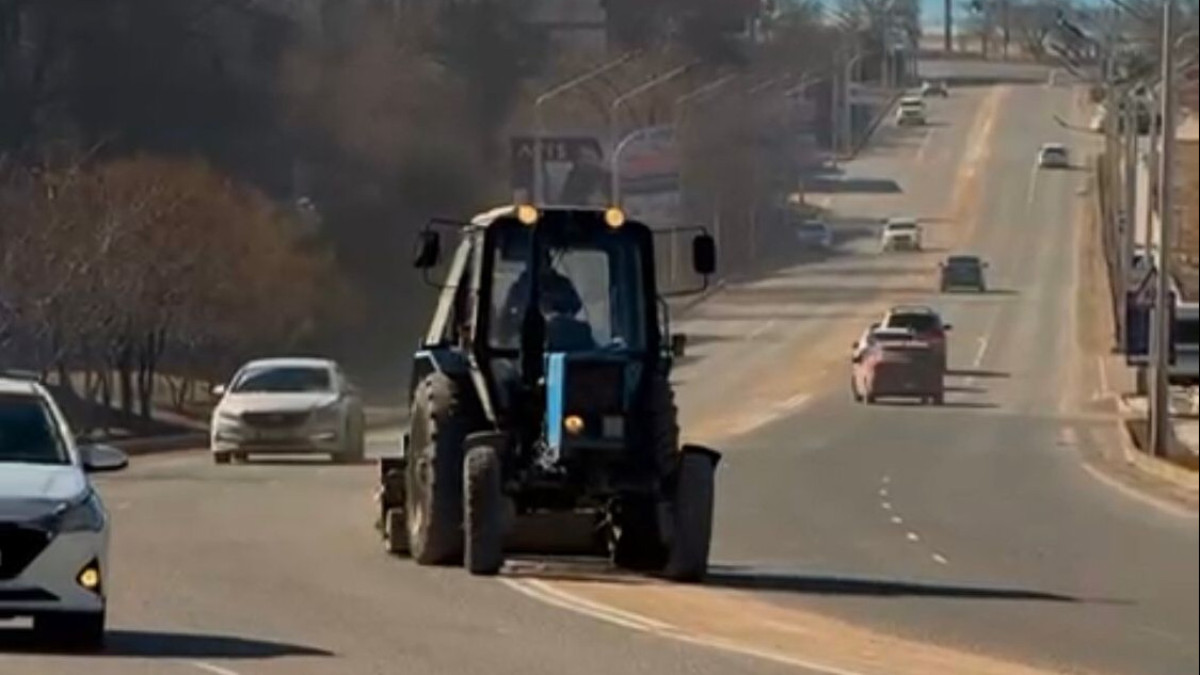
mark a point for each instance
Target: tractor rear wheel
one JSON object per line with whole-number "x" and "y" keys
{"x": 434, "y": 472}
{"x": 692, "y": 511}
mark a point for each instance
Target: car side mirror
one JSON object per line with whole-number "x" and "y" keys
{"x": 429, "y": 250}
{"x": 218, "y": 390}
{"x": 679, "y": 345}
{"x": 102, "y": 458}
{"x": 704, "y": 255}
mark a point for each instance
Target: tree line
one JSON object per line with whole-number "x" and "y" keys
{"x": 187, "y": 183}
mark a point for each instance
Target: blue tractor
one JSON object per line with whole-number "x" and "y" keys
{"x": 542, "y": 390}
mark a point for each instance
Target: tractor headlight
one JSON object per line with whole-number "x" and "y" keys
{"x": 573, "y": 424}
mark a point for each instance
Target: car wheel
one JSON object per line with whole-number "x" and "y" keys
{"x": 83, "y": 631}
{"x": 854, "y": 391}
{"x": 241, "y": 457}
{"x": 221, "y": 458}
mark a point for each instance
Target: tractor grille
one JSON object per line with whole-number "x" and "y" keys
{"x": 275, "y": 420}
{"x": 595, "y": 388}
{"x": 19, "y": 546}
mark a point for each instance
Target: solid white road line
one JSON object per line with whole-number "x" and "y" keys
{"x": 211, "y": 668}
{"x": 1033, "y": 185}
{"x": 542, "y": 592}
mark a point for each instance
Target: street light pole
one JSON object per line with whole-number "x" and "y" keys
{"x": 539, "y": 188}
{"x": 1160, "y": 404}
{"x": 847, "y": 118}
{"x": 615, "y": 144}
{"x": 681, "y": 105}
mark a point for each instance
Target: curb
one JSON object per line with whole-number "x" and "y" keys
{"x": 1153, "y": 466}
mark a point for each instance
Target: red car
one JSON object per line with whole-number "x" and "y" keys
{"x": 925, "y": 323}
{"x": 896, "y": 363}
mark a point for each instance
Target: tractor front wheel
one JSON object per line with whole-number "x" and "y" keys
{"x": 483, "y": 504}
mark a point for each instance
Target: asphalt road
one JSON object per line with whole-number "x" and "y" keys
{"x": 971, "y": 525}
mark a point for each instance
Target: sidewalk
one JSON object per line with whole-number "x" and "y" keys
{"x": 1184, "y": 423}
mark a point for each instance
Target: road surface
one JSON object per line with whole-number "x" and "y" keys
{"x": 973, "y": 526}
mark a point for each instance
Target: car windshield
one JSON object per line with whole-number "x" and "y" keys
{"x": 812, "y": 228}
{"x": 901, "y": 227}
{"x": 282, "y": 379}
{"x": 891, "y": 336}
{"x": 919, "y": 323}
{"x": 592, "y": 286}
{"x": 28, "y": 433}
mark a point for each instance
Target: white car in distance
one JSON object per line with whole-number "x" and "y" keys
{"x": 54, "y": 529}
{"x": 288, "y": 406}
{"x": 910, "y": 111}
{"x": 901, "y": 234}
{"x": 1054, "y": 156}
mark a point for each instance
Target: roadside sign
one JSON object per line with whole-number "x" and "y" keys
{"x": 1138, "y": 316}
{"x": 1145, "y": 291}
{"x": 572, "y": 167}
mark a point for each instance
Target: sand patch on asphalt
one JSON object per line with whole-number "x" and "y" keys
{"x": 739, "y": 622}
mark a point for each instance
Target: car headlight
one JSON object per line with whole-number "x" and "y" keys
{"x": 84, "y": 515}
{"x": 328, "y": 414}
{"x": 227, "y": 418}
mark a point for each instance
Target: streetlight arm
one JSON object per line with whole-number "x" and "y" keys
{"x": 592, "y": 74}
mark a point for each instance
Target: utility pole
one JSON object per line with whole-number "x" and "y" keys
{"x": 1128, "y": 224}
{"x": 949, "y": 26}
{"x": 1160, "y": 401}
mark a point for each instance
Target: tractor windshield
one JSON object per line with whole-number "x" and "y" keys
{"x": 591, "y": 289}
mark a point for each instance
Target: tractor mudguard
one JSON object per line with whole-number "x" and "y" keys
{"x": 693, "y": 449}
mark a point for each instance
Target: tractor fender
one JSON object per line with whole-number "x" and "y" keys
{"x": 708, "y": 453}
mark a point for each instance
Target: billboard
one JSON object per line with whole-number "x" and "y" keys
{"x": 574, "y": 170}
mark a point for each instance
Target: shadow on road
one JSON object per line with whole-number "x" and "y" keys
{"x": 978, "y": 374}
{"x": 163, "y": 645}
{"x": 853, "y": 185}
{"x": 787, "y": 582}
{"x": 745, "y": 578}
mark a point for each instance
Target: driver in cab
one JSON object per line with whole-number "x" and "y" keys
{"x": 560, "y": 304}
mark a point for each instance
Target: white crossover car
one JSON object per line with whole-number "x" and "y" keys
{"x": 287, "y": 406}
{"x": 910, "y": 111}
{"x": 901, "y": 234}
{"x": 54, "y": 529}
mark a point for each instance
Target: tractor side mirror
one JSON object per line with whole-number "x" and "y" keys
{"x": 429, "y": 250}
{"x": 704, "y": 255}
{"x": 678, "y": 345}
